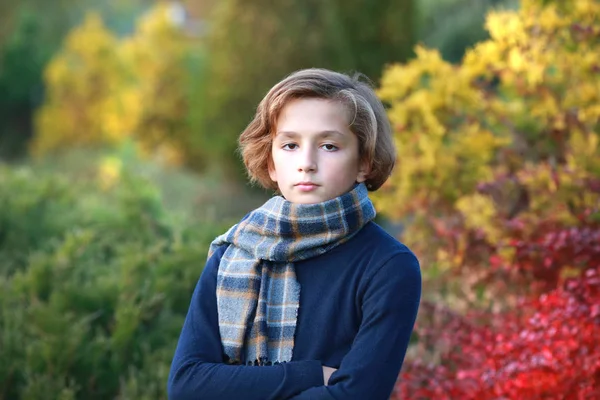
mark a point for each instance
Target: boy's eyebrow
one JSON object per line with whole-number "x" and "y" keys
{"x": 321, "y": 134}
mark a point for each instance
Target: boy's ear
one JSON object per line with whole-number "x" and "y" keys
{"x": 364, "y": 169}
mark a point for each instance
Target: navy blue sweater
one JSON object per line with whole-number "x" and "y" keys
{"x": 358, "y": 305}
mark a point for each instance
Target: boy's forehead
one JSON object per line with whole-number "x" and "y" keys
{"x": 313, "y": 114}
{"x": 323, "y": 133}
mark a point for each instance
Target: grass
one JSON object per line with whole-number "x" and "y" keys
{"x": 206, "y": 197}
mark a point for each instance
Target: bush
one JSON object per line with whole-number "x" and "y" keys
{"x": 94, "y": 287}
{"x": 498, "y": 182}
{"x": 104, "y": 90}
{"x": 546, "y": 348}
{"x": 512, "y": 140}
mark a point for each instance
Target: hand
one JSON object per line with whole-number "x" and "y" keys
{"x": 327, "y": 371}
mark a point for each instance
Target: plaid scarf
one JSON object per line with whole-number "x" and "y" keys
{"x": 258, "y": 295}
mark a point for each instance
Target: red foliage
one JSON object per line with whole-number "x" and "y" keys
{"x": 549, "y": 347}
{"x": 550, "y": 249}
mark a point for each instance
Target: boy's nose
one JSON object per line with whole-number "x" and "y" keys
{"x": 307, "y": 162}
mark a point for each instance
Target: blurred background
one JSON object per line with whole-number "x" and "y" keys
{"x": 118, "y": 166}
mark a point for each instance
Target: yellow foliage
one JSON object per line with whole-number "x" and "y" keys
{"x": 480, "y": 214}
{"x": 507, "y": 28}
{"x": 83, "y": 79}
{"x": 512, "y": 130}
{"x": 104, "y": 90}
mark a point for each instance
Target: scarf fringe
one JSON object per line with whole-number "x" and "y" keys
{"x": 263, "y": 362}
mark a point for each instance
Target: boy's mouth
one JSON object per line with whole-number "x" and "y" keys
{"x": 306, "y": 186}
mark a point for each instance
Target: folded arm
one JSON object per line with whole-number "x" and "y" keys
{"x": 198, "y": 370}
{"x": 389, "y": 305}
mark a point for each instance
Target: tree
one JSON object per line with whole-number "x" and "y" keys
{"x": 22, "y": 57}
{"x": 102, "y": 90}
{"x": 85, "y": 98}
{"x": 31, "y": 31}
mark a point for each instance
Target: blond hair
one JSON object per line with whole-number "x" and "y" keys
{"x": 369, "y": 122}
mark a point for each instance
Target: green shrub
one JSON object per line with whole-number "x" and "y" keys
{"x": 94, "y": 287}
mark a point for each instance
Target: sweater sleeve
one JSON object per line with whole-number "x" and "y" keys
{"x": 389, "y": 305}
{"x": 198, "y": 370}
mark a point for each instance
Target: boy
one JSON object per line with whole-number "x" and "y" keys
{"x": 306, "y": 297}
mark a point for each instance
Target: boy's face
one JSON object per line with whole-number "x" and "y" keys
{"x": 315, "y": 155}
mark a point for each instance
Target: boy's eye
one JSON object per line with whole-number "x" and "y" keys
{"x": 329, "y": 147}
{"x": 289, "y": 146}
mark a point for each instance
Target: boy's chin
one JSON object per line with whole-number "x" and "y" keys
{"x": 312, "y": 197}
{"x": 298, "y": 197}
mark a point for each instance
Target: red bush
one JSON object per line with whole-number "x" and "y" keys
{"x": 549, "y": 347}
{"x": 550, "y": 250}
